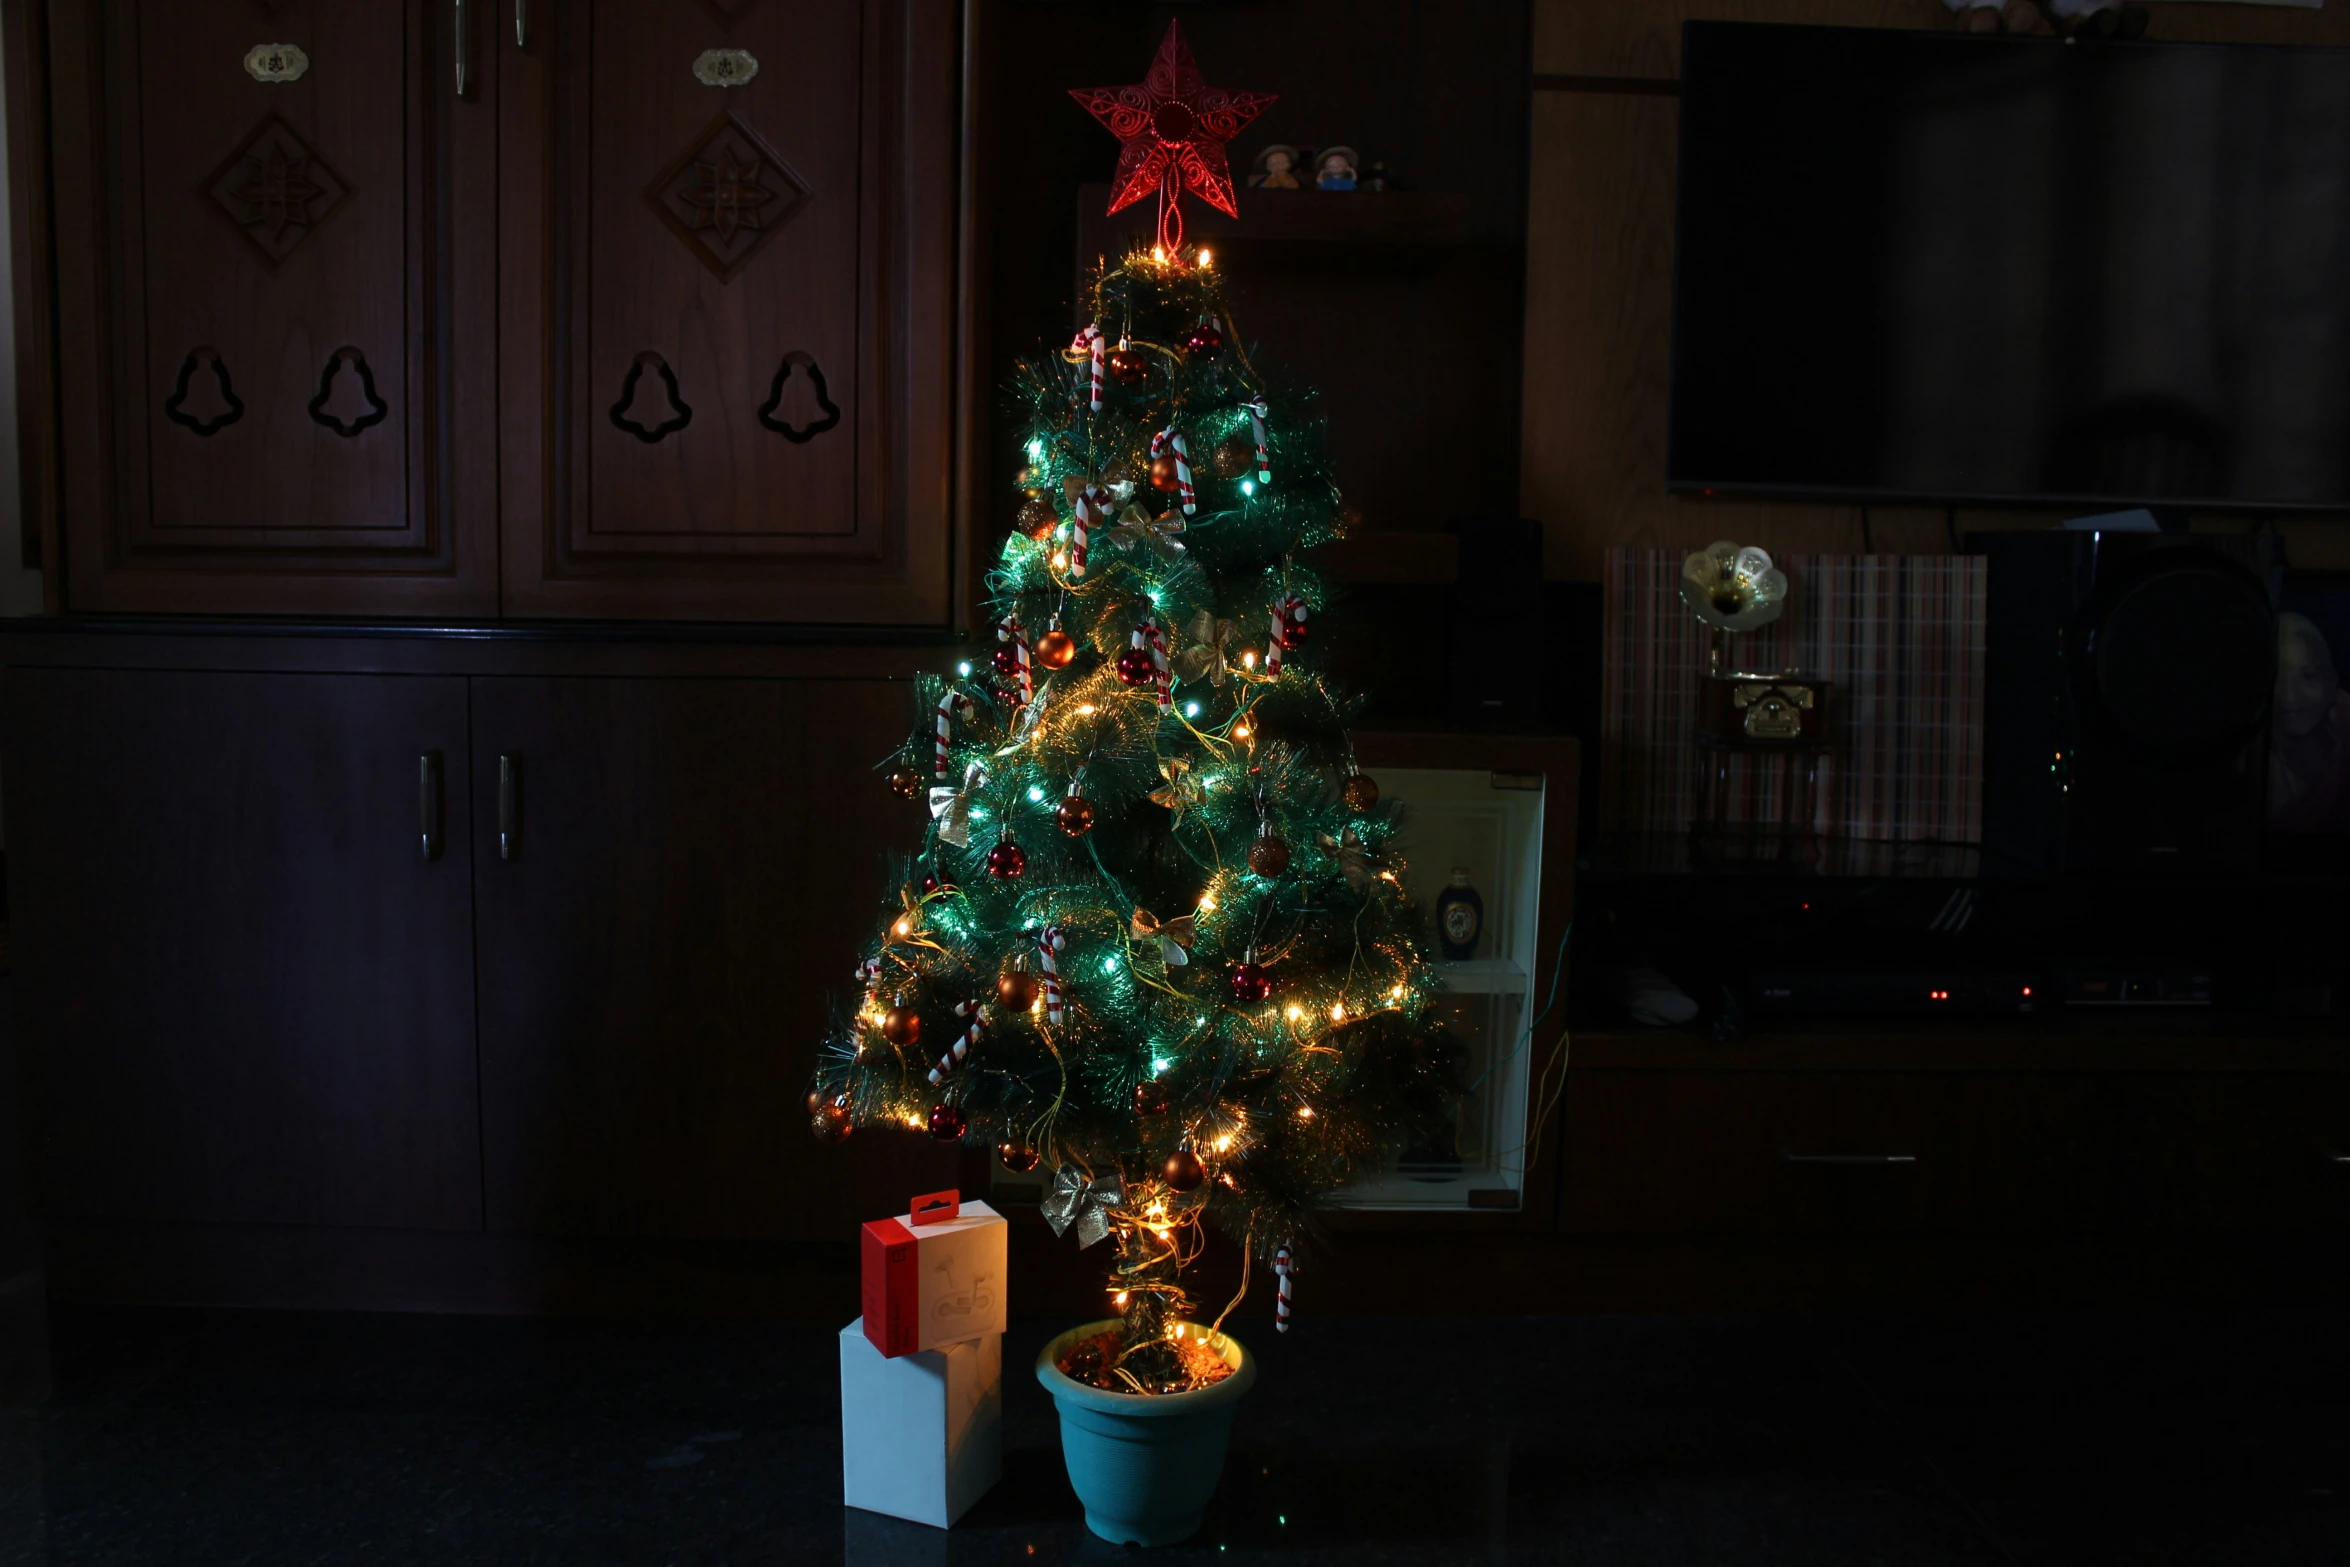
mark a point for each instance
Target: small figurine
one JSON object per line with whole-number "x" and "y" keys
{"x": 1460, "y": 917}
{"x": 1334, "y": 168}
{"x": 1276, "y": 168}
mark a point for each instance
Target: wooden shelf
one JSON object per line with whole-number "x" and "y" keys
{"x": 2061, "y": 1043}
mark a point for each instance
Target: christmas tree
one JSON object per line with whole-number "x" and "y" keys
{"x": 1153, "y": 941}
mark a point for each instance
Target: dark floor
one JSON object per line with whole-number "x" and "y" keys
{"x": 197, "y": 1438}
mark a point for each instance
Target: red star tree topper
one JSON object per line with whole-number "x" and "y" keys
{"x": 1173, "y": 127}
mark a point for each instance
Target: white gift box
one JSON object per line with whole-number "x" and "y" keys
{"x": 929, "y": 1281}
{"x": 921, "y": 1435}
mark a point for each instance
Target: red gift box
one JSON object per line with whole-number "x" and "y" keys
{"x": 934, "y": 1275}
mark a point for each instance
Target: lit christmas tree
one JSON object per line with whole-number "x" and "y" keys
{"x": 1152, "y": 942}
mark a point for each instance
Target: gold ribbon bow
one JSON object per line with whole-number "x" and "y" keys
{"x": 1072, "y": 1199}
{"x": 951, "y": 807}
{"x": 1136, "y": 526}
{"x": 1206, "y": 656}
{"x": 1354, "y": 861}
{"x": 1104, "y": 491}
{"x": 1174, "y": 938}
{"x": 1182, "y": 791}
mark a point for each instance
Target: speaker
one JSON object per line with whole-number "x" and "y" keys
{"x": 2127, "y": 686}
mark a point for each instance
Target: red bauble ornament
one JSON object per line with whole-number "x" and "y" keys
{"x": 1173, "y": 127}
{"x": 1127, "y": 367}
{"x": 1205, "y": 342}
{"x": 1251, "y": 984}
{"x": 1017, "y": 989}
{"x": 901, "y": 1025}
{"x": 1006, "y": 660}
{"x": 1163, "y": 475}
{"x": 1018, "y": 1157}
{"x": 1007, "y": 859}
{"x": 1037, "y": 518}
{"x": 1150, "y": 1097}
{"x": 947, "y": 1123}
{"x": 931, "y": 884}
{"x": 1360, "y": 792}
{"x": 1075, "y": 815}
{"x": 906, "y": 782}
{"x": 1184, "y": 1172}
{"x": 1136, "y": 667}
{"x": 1055, "y": 648}
{"x": 1268, "y": 856}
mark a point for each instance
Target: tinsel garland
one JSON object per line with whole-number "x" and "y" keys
{"x": 1206, "y": 1106}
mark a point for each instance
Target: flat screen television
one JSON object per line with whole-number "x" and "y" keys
{"x": 1956, "y": 269}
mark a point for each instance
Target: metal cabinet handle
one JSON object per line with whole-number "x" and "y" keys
{"x": 464, "y": 50}
{"x": 522, "y": 24}
{"x": 428, "y": 804}
{"x": 509, "y": 804}
{"x": 1848, "y": 1158}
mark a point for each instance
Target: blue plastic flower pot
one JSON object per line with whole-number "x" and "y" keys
{"x": 1144, "y": 1465}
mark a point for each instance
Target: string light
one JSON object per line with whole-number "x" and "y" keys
{"x": 1337, "y": 1011}
{"x": 1248, "y": 658}
{"x": 1242, "y": 731}
{"x": 1305, "y": 1112}
{"x": 901, "y": 927}
{"x": 1191, "y": 710}
{"x": 1204, "y": 257}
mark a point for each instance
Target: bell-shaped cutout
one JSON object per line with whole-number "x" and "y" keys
{"x": 347, "y": 404}
{"x": 650, "y": 410}
{"x": 809, "y": 391}
{"x": 202, "y": 399}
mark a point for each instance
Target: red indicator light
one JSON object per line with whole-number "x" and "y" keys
{"x": 1937, "y": 995}
{"x": 2027, "y": 990}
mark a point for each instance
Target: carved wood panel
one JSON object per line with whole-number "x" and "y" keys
{"x": 727, "y": 334}
{"x": 263, "y": 284}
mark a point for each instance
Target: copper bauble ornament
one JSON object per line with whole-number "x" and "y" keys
{"x": 1163, "y": 476}
{"x": 1017, "y": 1156}
{"x": 1136, "y": 667}
{"x": 1127, "y": 366}
{"x": 906, "y": 782}
{"x": 1268, "y": 856}
{"x": 1184, "y": 1172}
{"x": 1055, "y": 648}
{"x": 830, "y": 1122}
{"x": 1360, "y": 792}
{"x": 1205, "y": 342}
{"x": 901, "y": 1025}
{"x": 1007, "y": 859}
{"x": 947, "y": 1123}
{"x": 1075, "y": 815}
{"x": 1234, "y": 455}
{"x": 1251, "y": 984}
{"x": 1150, "y": 1097}
{"x": 1017, "y": 989}
{"x": 1036, "y": 517}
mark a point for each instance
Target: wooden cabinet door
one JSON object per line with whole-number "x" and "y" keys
{"x": 274, "y": 228}
{"x": 244, "y": 991}
{"x": 690, "y": 865}
{"x": 727, "y": 327}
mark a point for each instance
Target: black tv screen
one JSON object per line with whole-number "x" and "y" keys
{"x": 1937, "y": 267}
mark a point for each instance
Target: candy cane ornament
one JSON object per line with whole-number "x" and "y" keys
{"x": 1095, "y": 347}
{"x": 1089, "y": 513}
{"x": 1049, "y": 941}
{"x": 1165, "y": 679}
{"x": 1256, "y": 421}
{"x": 977, "y": 1020}
{"x": 1281, "y": 1272}
{"x": 945, "y": 730}
{"x": 1015, "y": 640}
{"x": 1169, "y": 442}
{"x": 1289, "y": 623}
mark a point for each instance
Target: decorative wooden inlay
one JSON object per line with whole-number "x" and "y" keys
{"x": 276, "y": 63}
{"x": 725, "y": 67}
{"x": 675, "y": 416}
{"x": 829, "y": 410}
{"x": 371, "y": 407}
{"x": 276, "y": 190}
{"x": 727, "y": 195}
{"x": 227, "y": 407}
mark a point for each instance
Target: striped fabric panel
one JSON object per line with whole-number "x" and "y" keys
{"x": 1900, "y": 637}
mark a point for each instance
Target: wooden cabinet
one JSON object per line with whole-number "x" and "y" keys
{"x": 658, "y": 941}
{"x": 654, "y": 314}
{"x": 244, "y": 989}
{"x": 727, "y": 326}
{"x": 271, "y": 290}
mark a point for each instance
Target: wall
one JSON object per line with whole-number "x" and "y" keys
{"x": 20, "y": 589}
{"x": 1599, "y": 258}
